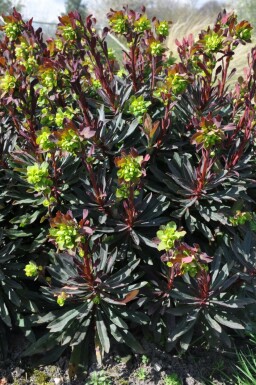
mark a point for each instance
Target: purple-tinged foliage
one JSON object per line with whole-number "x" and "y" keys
{"x": 127, "y": 190}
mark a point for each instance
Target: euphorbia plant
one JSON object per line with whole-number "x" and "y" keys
{"x": 110, "y": 156}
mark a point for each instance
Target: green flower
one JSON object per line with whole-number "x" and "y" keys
{"x": 61, "y": 298}
{"x": 96, "y": 84}
{"x": 118, "y": 22}
{"x": 61, "y": 114}
{"x": 244, "y": 31}
{"x": 58, "y": 44}
{"x": 240, "y": 218}
{"x": 190, "y": 268}
{"x": 49, "y": 202}
{"x": 129, "y": 169}
{"x": 7, "y": 82}
{"x": 30, "y": 64}
{"x": 245, "y": 34}
{"x": 68, "y": 33}
{"x": 96, "y": 300}
{"x": 12, "y": 30}
{"x": 111, "y": 54}
{"x": 209, "y": 135}
{"x": 177, "y": 83}
{"x": 143, "y": 24}
{"x": 49, "y": 78}
{"x": 121, "y": 73}
{"x": 31, "y": 269}
{"x": 123, "y": 192}
{"x": 212, "y": 42}
{"x": 69, "y": 141}
{"x": 168, "y": 235}
{"x": 138, "y": 106}
{"x": 156, "y": 48}
{"x": 162, "y": 28}
{"x": 65, "y": 236}
{"x": 43, "y": 140}
{"x": 38, "y": 176}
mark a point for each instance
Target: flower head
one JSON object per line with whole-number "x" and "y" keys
{"x": 167, "y": 235}
{"x": 130, "y": 169}
{"x": 7, "y": 82}
{"x": 209, "y": 134}
{"x": 156, "y": 48}
{"x": 212, "y": 42}
{"x": 119, "y": 22}
{"x": 62, "y": 113}
{"x": 69, "y": 140}
{"x": 65, "y": 231}
{"x": 48, "y": 77}
{"x": 177, "y": 83}
{"x": 61, "y": 298}
{"x": 162, "y": 28}
{"x": 12, "y": 29}
{"x": 244, "y": 31}
{"x": 142, "y": 24}
{"x": 38, "y": 176}
{"x": 31, "y": 269}
{"x": 240, "y": 218}
{"x": 138, "y": 106}
{"x": 43, "y": 139}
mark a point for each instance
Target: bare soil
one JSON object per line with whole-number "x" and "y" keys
{"x": 198, "y": 367}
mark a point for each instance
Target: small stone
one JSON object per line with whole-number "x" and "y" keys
{"x": 157, "y": 367}
{"x": 190, "y": 381}
{"x": 18, "y": 372}
{"x": 57, "y": 381}
{"x": 126, "y": 359}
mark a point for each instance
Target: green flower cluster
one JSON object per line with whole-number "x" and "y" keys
{"x": 30, "y": 64}
{"x": 61, "y": 114}
{"x": 7, "y": 82}
{"x": 209, "y": 135}
{"x": 43, "y": 140}
{"x": 162, "y": 28}
{"x": 96, "y": 84}
{"x": 119, "y": 23}
{"x": 177, "y": 83}
{"x": 12, "y": 30}
{"x": 65, "y": 236}
{"x": 212, "y": 42}
{"x": 156, "y": 48}
{"x": 38, "y": 176}
{"x": 68, "y": 33}
{"x": 49, "y": 202}
{"x": 111, "y": 54}
{"x": 240, "y": 218}
{"x": 61, "y": 298}
{"x": 130, "y": 168}
{"x": 122, "y": 72}
{"x": 192, "y": 268}
{"x": 25, "y": 54}
{"x": 168, "y": 234}
{"x": 143, "y": 24}
{"x": 49, "y": 78}
{"x": 138, "y": 106}
{"x": 245, "y": 34}
{"x": 69, "y": 141}
{"x": 31, "y": 269}
{"x": 123, "y": 192}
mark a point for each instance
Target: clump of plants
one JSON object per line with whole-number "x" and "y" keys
{"x": 127, "y": 191}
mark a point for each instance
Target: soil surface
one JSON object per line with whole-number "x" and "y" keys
{"x": 196, "y": 368}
